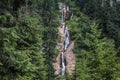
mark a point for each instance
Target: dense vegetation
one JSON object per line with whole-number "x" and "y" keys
{"x": 95, "y": 29}
{"x": 29, "y": 36}
{"x": 27, "y": 39}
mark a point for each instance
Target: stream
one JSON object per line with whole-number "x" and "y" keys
{"x": 67, "y": 40}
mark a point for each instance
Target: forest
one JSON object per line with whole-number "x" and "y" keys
{"x": 59, "y": 40}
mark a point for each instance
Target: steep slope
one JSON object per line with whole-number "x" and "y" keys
{"x": 70, "y": 59}
{"x": 65, "y": 47}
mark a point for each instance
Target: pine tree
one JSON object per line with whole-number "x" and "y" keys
{"x": 98, "y": 55}
{"x": 21, "y": 56}
{"x": 50, "y": 34}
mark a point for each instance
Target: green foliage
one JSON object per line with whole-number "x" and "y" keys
{"x": 50, "y": 35}
{"x": 96, "y": 55}
{"x": 108, "y": 16}
{"x": 96, "y": 52}
{"x": 6, "y": 20}
{"x": 21, "y": 56}
{"x": 29, "y": 35}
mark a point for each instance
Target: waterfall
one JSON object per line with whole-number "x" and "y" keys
{"x": 63, "y": 25}
{"x": 66, "y": 33}
{"x": 67, "y": 41}
{"x": 68, "y": 9}
{"x": 63, "y": 64}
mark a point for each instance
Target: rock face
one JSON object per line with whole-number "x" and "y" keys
{"x": 65, "y": 49}
{"x": 56, "y": 65}
{"x": 70, "y": 59}
{"x": 69, "y": 55}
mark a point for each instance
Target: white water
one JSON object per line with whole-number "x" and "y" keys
{"x": 66, "y": 33}
{"x": 68, "y": 9}
{"x": 63, "y": 64}
{"x": 63, "y": 25}
{"x": 62, "y": 55}
{"x": 67, "y": 41}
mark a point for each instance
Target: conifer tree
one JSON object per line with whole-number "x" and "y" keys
{"x": 50, "y": 34}
{"x": 98, "y": 55}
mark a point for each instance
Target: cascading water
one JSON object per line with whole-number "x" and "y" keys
{"x": 66, "y": 33}
{"x": 68, "y": 8}
{"x": 63, "y": 64}
{"x": 62, "y": 56}
{"x": 67, "y": 41}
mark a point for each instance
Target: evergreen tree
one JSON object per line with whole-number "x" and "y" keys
{"x": 97, "y": 58}
{"x": 21, "y": 55}
{"x": 50, "y": 22}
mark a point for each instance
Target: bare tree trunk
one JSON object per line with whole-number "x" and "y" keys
{"x": 102, "y": 3}
{"x": 111, "y": 3}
